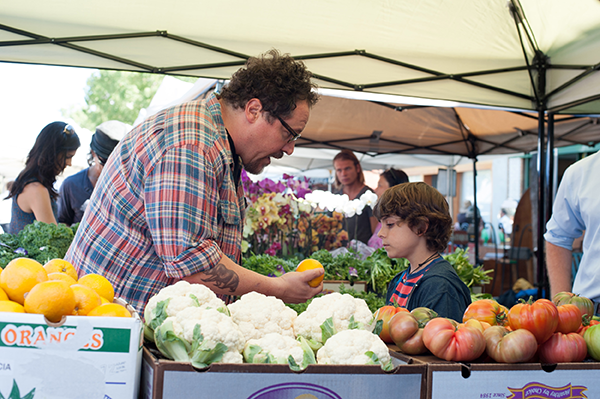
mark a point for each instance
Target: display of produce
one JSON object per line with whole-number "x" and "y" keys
{"x": 188, "y": 323}
{"x": 53, "y": 289}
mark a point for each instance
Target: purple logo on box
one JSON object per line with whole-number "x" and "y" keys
{"x": 535, "y": 390}
{"x": 295, "y": 390}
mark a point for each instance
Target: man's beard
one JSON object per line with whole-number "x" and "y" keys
{"x": 256, "y": 167}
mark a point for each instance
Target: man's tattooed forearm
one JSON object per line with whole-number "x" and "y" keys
{"x": 222, "y": 277}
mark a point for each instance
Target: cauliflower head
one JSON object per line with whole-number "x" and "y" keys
{"x": 174, "y": 298}
{"x": 257, "y": 315}
{"x": 281, "y": 349}
{"x": 355, "y": 347}
{"x": 346, "y": 312}
{"x": 202, "y": 336}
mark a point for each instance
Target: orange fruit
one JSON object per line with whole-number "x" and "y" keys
{"x": 3, "y": 296}
{"x": 19, "y": 277}
{"x": 86, "y": 299}
{"x": 100, "y": 284}
{"x": 308, "y": 264}
{"x": 61, "y": 266}
{"x": 110, "y": 309}
{"x": 10, "y": 306}
{"x": 53, "y": 298}
{"x": 62, "y": 276}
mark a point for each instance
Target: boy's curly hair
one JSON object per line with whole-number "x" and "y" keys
{"x": 277, "y": 80}
{"x": 419, "y": 205}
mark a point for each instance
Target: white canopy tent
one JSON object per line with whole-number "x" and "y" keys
{"x": 537, "y": 55}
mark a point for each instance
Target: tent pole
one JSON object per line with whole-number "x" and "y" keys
{"x": 549, "y": 167}
{"x": 541, "y": 214}
{"x": 475, "y": 213}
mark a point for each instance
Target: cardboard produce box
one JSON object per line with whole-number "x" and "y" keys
{"x": 166, "y": 379}
{"x": 450, "y": 380}
{"x": 83, "y": 357}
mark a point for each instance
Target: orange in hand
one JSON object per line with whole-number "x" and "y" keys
{"x": 308, "y": 264}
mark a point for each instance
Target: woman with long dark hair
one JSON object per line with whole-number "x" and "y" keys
{"x": 33, "y": 193}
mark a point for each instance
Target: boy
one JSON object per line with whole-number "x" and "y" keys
{"x": 416, "y": 225}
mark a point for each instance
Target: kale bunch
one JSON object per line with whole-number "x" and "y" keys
{"x": 38, "y": 240}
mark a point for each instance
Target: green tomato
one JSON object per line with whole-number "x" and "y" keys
{"x": 592, "y": 341}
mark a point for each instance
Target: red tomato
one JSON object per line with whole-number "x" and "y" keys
{"x": 592, "y": 340}
{"x": 486, "y": 310}
{"x": 445, "y": 340}
{"x": 584, "y": 304}
{"x": 563, "y": 348}
{"x": 505, "y": 346}
{"x": 569, "y": 318}
{"x": 385, "y": 313}
{"x": 539, "y": 317}
{"x": 585, "y": 324}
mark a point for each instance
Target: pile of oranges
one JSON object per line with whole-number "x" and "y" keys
{"x": 54, "y": 290}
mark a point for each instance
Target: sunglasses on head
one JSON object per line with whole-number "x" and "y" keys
{"x": 68, "y": 130}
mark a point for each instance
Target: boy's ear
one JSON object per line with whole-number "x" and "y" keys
{"x": 421, "y": 228}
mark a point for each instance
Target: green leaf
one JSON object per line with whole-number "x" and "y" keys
{"x": 378, "y": 327}
{"x": 327, "y": 329}
{"x": 309, "y": 354}
{"x": 251, "y": 354}
{"x": 14, "y": 393}
{"x": 195, "y": 300}
{"x": 292, "y": 363}
{"x": 204, "y": 356}
{"x": 159, "y": 315}
{"x": 169, "y": 344}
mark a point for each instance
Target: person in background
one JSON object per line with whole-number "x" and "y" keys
{"x": 574, "y": 212}
{"x": 33, "y": 193}
{"x": 387, "y": 179}
{"x": 350, "y": 180}
{"x": 416, "y": 225}
{"x": 75, "y": 191}
{"x": 169, "y": 204}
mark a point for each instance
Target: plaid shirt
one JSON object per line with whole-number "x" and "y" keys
{"x": 166, "y": 205}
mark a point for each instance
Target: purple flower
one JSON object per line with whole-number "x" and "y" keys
{"x": 21, "y": 251}
{"x": 352, "y": 272}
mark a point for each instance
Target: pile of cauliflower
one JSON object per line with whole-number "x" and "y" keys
{"x": 189, "y": 323}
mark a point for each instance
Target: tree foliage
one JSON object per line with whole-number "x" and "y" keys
{"x": 116, "y": 95}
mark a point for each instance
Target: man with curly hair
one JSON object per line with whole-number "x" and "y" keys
{"x": 169, "y": 204}
{"x": 416, "y": 225}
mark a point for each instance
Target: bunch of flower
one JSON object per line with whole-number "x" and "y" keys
{"x": 285, "y": 217}
{"x": 271, "y": 223}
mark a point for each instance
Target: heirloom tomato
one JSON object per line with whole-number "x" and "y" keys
{"x": 586, "y": 323}
{"x": 584, "y": 304}
{"x": 569, "y": 318}
{"x": 385, "y": 313}
{"x": 446, "y": 340}
{"x": 505, "y": 346}
{"x": 486, "y": 310}
{"x": 539, "y": 317}
{"x": 592, "y": 341}
{"x": 563, "y": 348}
{"x": 406, "y": 330}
